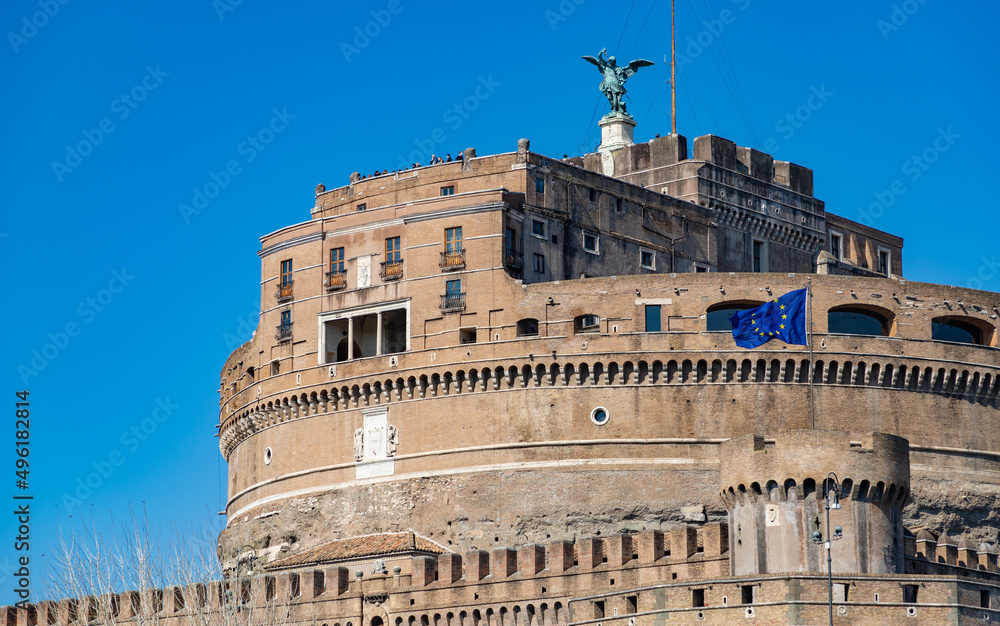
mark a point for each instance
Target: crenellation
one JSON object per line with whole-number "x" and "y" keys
{"x": 531, "y": 558}
{"x": 618, "y": 550}
{"x": 651, "y": 546}
{"x": 424, "y": 571}
{"x": 477, "y": 565}
{"x": 504, "y": 563}
{"x": 589, "y": 553}
{"x": 683, "y": 542}
{"x": 561, "y": 556}
{"x": 449, "y": 568}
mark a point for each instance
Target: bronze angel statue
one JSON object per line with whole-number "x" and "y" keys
{"x": 613, "y": 85}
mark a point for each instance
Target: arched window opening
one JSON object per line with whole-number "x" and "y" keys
{"x": 717, "y": 315}
{"x": 858, "y": 321}
{"x": 527, "y": 327}
{"x": 589, "y": 323}
{"x": 959, "y": 330}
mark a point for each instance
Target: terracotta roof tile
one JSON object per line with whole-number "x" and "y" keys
{"x": 360, "y": 547}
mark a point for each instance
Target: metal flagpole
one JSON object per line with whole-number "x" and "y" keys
{"x": 673, "y": 73}
{"x": 812, "y": 362}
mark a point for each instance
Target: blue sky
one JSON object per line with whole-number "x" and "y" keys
{"x": 122, "y": 304}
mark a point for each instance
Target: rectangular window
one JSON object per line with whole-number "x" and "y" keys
{"x": 984, "y": 598}
{"x": 448, "y": 191}
{"x": 286, "y": 318}
{"x": 539, "y": 263}
{"x": 647, "y": 259}
{"x": 748, "y": 594}
{"x": 593, "y": 195}
{"x": 453, "y": 288}
{"x": 538, "y": 228}
{"x": 653, "y": 324}
{"x": 700, "y": 269}
{"x": 697, "y": 597}
{"x": 337, "y": 260}
{"x": 836, "y": 246}
{"x": 286, "y": 272}
{"x": 467, "y": 335}
{"x": 631, "y": 604}
{"x": 598, "y": 609}
{"x": 509, "y": 240}
{"x": 540, "y": 185}
{"x": 363, "y": 206}
{"x": 453, "y": 240}
{"x": 883, "y": 261}
{"x": 590, "y": 242}
{"x": 392, "y": 252}
{"x": 758, "y": 256}
{"x": 910, "y": 594}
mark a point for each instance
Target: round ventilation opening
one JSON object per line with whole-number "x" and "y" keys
{"x": 600, "y": 416}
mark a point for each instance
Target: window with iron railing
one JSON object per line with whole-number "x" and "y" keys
{"x": 336, "y": 278}
{"x": 453, "y": 298}
{"x": 392, "y": 268}
{"x": 284, "y": 291}
{"x": 284, "y": 332}
{"x": 453, "y": 257}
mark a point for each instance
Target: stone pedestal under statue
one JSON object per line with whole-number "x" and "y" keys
{"x": 616, "y": 133}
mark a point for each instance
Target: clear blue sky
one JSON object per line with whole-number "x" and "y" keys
{"x": 115, "y": 114}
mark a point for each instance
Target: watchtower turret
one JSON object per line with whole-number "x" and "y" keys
{"x": 775, "y": 492}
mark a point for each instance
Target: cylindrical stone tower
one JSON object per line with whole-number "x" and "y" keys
{"x": 775, "y": 492}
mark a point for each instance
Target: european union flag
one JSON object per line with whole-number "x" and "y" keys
{"x": 783, "y": 318}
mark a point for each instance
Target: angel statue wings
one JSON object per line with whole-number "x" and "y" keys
{"x": 613, "y": 85}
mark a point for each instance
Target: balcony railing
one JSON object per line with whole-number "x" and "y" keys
{"x": 335, "y": 281}
{"x": 453, "y": 302}
{"x": 454, "y": 260}
{"x": 284, "y": 291}
{"x": 284, "y": 332}
{"x": 391, "y": 270}
{"x": 513, "y": 259}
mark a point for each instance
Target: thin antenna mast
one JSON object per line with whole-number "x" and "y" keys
{"x": 673, "y": 73}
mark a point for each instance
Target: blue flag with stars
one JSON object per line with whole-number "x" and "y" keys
{"x": 783, "y": 318}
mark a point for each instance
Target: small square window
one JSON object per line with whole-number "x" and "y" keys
{"x": 647, "y": 259}
{"x": 363, "y": 206}
{"x": 448, "y": 191}
{"x": 539, "y": 264}
{"x": 700, "y": 268}
{"x": 540, "y": 185}
{"x": 591, "y": 242}
{"x": 538, "y": 228}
